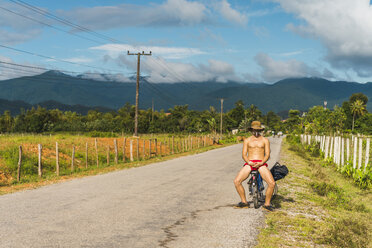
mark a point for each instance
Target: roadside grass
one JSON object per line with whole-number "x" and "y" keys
{"x": 30, "y": 179}
{"x": 316, "y": 206}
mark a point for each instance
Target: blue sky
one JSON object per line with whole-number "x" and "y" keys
{"x": 222, "y": 40}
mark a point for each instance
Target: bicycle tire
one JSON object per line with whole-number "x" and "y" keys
{"x": 255, "y": 196}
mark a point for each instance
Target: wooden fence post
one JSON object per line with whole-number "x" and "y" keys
{"x": 331, "y": 147}
{"x": 347, "y": 149}
{"x": 172, "y": 144}
{"x": 72, "y": 158}
{"x": 156, "y": 147}
{"x": 86, "y": 155}
{"x": 367, "y": 155}
{"x": 131, "y": 150}
{"x": 57, "y": 159}
{"x": 360, "y": 153}
{"x": 96, "y": 146}
{"x": 108, "y": 155}
{"x": 40, "y": 169}
{"x": 355, "y": 153}
{"x": 137, "y": 153}
{"x": 160, "y": 145}
{"x": 150, "y": 148}
{"x": 144, "y": 150}
{"x": 342, "y": 151}
{"x": 19, "y": 164}
{"x": 191, "y": 143}
{"x": 326, "y": 148}
{"x": 116, "y": 151}
{"x": 335, "y": 151}
{"x": 125, "y": 142}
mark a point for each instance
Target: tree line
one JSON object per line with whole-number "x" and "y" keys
{"x": 352, "y": 116}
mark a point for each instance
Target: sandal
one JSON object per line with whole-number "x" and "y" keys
{"x": 242, "y": 205}
{"x": 269, "y": 208}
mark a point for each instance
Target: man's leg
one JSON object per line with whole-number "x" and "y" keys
{"x": 242, "y": 175}
{"x": 268, "y": 177}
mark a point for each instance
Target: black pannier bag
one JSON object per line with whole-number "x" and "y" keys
{"x": 279, "y": 171}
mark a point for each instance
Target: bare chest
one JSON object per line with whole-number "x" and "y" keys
{"x": 256, "y": 144}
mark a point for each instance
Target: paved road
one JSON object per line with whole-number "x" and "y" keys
{"x": 185, "y": 202}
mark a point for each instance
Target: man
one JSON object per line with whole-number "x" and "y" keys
{"x": 256, "y": 151}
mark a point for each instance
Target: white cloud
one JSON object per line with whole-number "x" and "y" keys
{"x": 16, "y": 29}
{"x": 8, "y": 71}
{"x": 170, "y": 13}
{"x": 273, "y": 70}
{"x": 161, "y": 71}
{"x": 78, "y": 60}
{"x": 344, "y": 27}
{"x": 166, "y": 52}
{"x": 106, "y": 77}
{"x": 230, "y": 14}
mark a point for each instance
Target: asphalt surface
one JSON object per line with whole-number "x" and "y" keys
{"x": 184, "y": 202}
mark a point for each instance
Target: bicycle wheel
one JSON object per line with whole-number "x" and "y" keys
{"x": 255, "y": 196}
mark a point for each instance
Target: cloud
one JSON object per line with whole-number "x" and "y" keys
{"x": 160, "y": 70}
{"x": 8, "y": 71}
{"x": 78, "y": 60}
{"x": 273, "y": 70}
{"x": 106, "y": 77}
{"x": 231, "y": 14}
{"x": 170, "y": 13}
{"x": 166, "y": 52}
{"x": 15, "y": 29}
{"x": 344, "y": 27}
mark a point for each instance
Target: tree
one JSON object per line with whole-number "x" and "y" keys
{"x": 237, "y": 113}
{"x": 358, "y": 96}
{"x": 357, "y": 109}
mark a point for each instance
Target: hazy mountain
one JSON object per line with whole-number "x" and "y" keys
{"x": 15, "y": 107}
{"x": 300, "y": 93}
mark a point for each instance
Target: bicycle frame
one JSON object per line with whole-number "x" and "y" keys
{"x": 256, "y": 187}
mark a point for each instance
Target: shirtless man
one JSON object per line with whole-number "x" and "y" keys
{"x": 256, "y": 151}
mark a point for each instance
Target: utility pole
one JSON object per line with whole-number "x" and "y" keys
{"x": 221, "y": 116}
{"x": 152, "y": 111}
{"x": 137, "y": 88}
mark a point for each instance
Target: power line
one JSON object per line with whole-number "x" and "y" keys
{"x": 60, "y": 60}
{"x": 20, "y": 68}
{"x": 49, "y": 25}
{"x": 83, "y": 29}
{"x": 61, "y": 20}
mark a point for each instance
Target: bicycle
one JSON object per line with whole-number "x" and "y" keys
{"x": 256, "y": 188}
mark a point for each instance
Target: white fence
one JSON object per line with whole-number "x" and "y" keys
{"x": 342, "y": 150}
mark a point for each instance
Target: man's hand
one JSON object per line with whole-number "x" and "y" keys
{"x": 255, "y": 164}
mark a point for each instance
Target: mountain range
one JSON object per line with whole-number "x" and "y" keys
{"x": 54, "y": 89}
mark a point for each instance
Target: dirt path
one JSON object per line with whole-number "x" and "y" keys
{"x": 185, "y": 202}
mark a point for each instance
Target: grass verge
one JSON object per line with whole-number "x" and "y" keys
{"x": 316, "y": 206}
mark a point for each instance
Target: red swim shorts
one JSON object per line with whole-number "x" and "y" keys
{"x": 254, "y": 161}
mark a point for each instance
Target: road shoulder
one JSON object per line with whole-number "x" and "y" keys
{"x": 316, "y": 207}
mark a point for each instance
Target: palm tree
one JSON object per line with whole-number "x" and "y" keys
{"x": 357, "y": 108}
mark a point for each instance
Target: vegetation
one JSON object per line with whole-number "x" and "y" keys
{"x": 178, "y": 119}
{"x": 361, "y": 177}
{"x": 315, "y": 207}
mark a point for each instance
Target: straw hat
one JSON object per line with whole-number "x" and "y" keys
{"x": 256, "y": 125}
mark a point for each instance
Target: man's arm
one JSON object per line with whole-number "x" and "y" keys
{"x": 245, "y": 150}
{"x": 267, "y": 151}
